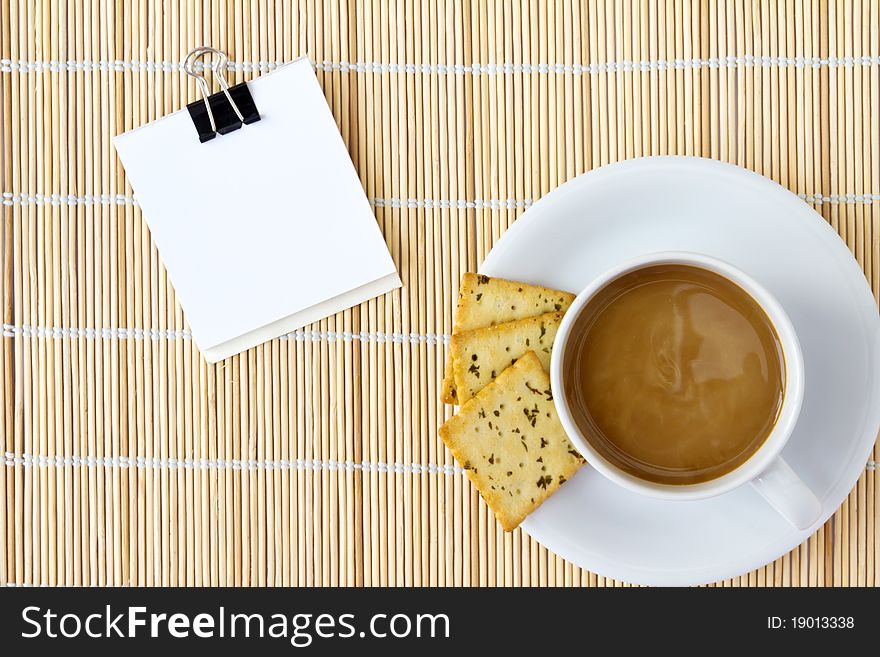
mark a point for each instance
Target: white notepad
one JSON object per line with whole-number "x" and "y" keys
{"x": 262, "y": 230}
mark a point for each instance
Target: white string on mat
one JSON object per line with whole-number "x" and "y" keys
{"x": 840, "y": 199}
{"x": 442, "y": 204}
{"x": 625, "y": 65}
{"x": 121, "y": 333}
{"x": 503, "y": 68}
{"x": 24, "y": 199}
{"x": 154, "y": 463}
{"x": 12, "y": 198}
{"x": 141, "y": 462}
{"x": 38, "y": 199}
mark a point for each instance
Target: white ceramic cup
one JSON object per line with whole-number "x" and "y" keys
{"x": 765, "y": 470}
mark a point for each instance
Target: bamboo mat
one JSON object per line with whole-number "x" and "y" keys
{"x": 314, "y": 459}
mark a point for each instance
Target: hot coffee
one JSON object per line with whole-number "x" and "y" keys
{"x": 674, "y": 374}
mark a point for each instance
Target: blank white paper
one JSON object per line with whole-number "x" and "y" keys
{"x": 262, "y": 230}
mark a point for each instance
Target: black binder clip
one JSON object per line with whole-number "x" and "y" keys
{"x": 225, "y": 111}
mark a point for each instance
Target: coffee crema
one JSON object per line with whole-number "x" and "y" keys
{"x": 674, "y": 374}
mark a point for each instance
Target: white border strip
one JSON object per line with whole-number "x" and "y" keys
{"x": 503, "y": 68}
{"x": 140, "y": 462}
{"x": 23, "y": 200}
{"x": 121, "y": 333}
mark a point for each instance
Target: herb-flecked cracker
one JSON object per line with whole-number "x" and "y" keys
{"x": 510, "y": 441}
{"x": 480, "y": 355}
{"x": 486, "y": 301}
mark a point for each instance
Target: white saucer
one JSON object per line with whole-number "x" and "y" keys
{"x": 690, "y": 204}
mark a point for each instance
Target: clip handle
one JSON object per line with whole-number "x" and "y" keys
{"x": 236, "y": 97}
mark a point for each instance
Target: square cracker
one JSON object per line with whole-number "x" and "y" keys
{"x": 480, "y": 355}
{"x": 486, "y": 301}
{"x": 511, "y": 443}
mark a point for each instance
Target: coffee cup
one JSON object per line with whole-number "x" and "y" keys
{"x": 620, "y": 421}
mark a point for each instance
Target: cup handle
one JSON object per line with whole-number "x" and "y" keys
{"x": 786, "y": 493}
